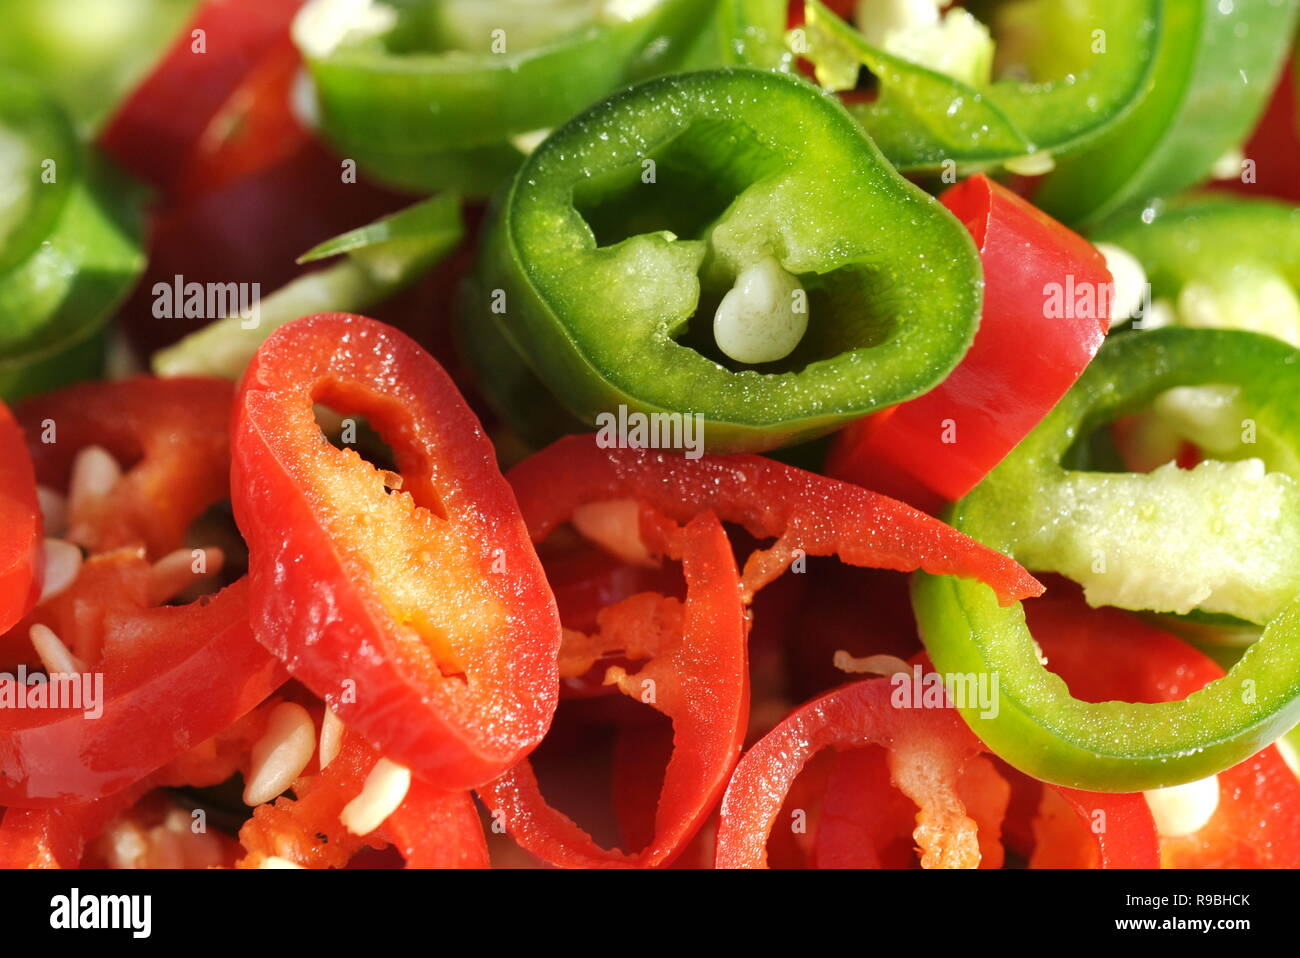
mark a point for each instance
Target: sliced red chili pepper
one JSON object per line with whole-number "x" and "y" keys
{"x": 172, "y": 676}
{"x": 57, "y": 837}
{"x": 695, "y": 672}
{"x": 22, "y": 566}
{"x": 806, "y": 513}
{"x": 928, "y": 748}
{"x": 172, "y": 433}
{"x": 230, "y": 66}
{"x": 1025, "y": 356}
{"x": 421, "y": 615}
{"x": 932, "y": 759}
{"x": 864, "y": 822}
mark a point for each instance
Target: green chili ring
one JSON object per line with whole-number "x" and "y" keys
{"x": 1115, "y": 746}
{"x": 742, "y": 164}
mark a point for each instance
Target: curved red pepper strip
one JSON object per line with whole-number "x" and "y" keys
{"x": 421, "y": 615}
{"x": 853, "y": 715}
{"x": 22, "y": 565}
{"x": 700, "y": 681}
{"x": 861, "y": 714}
{"x": 433, "y": 828}
{"x": 172, "y": 437}
{"x": 172, "y": 677}
{"x": 1021, "y": 363}
{"x": 801, "y": 510}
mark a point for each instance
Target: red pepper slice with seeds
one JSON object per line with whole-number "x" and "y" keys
{"x": 806, "y": 513}
{"x": 695, "y": 671}
{"x": 172, "y": 438}
{"x": 172, "y": 677}
{"x": 929, "y": 749}
{"x": 431, "y": 828}
{"x": 412, "y": 602}
{"x": 22, "y": 566}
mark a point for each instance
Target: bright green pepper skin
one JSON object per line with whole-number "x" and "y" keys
{"x": 1116, "y": 746}
{"x": 58, "y": 289}
{"x": 1197, "y": 235}
{"x": 741, "y": 33}
{"x": 89, "y": 55}
{"x": 747, "y": 163}
{"x": 505, "y": 381}
{"x": 427, "y": 119}
{"x": 923, "y": 119}
{"x": 1213, "y": 75}
{"x": 42, "y": 160}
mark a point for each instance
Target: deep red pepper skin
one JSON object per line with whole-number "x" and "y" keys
{"x": 803, "y": 510}
{"x": 860, "y": 714}
{"x": 173, "y": 676}
{"x": 180, "y": 114}
{"x": 22, "y": 565}
{"x": 702, "y": 684}
{"x": 57, "y": 837}
{"x": 437, "y": 829}
{"x": 937, "y": 447}
{"x": 171, "y": 437}
{"x": 316, "y": 605}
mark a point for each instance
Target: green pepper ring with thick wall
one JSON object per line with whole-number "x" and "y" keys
{"x": 1118, "y": 746}
{"x": 757, "y": 164}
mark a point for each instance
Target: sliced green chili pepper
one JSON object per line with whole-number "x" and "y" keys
{"x": 39, "y": 162}
{"x": 1069, "y": 71}
{"x": 69, "y": 244}
{"x": 89, "y": 55}
{"x": 438, "y": 97}
{"x": 625, "y": 233}
{"x": 1216, "y": 65}
{"x": 1220, "y": 261}
{"x": 741, "y": 33}
{"x": 1222, "y": 537}
{"x": 383, "y": 258}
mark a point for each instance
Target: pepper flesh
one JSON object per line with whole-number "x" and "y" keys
{"x": 806, "y": 513}
{"x": 22, "y": 567}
